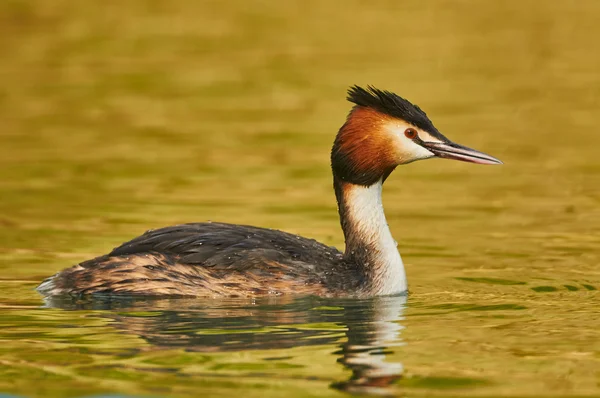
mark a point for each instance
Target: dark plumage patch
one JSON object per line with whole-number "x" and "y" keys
{"x": 393, "y": 105}
{"x": 230, "y": 260}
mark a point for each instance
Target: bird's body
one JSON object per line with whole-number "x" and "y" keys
{"x": 215, "y": 259}
{"x": 212, "y": 259}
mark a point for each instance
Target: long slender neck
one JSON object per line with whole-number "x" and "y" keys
{"x": 369, "y": 242}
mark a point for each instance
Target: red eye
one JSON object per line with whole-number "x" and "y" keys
{"x": 410, "y": 133}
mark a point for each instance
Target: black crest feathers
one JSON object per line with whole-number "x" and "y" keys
{"x": 393, "y": 105}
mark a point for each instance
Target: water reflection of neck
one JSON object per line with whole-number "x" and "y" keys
{"x": 369, "y": 338}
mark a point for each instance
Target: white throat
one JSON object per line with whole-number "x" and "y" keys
{"x": 367, "y": 229}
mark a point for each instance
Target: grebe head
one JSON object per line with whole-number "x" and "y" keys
{"x": 384, "y": 130}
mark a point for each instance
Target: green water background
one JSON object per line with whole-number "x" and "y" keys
{"x": 118, "y": 117}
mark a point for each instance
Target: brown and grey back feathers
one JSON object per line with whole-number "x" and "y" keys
{"x": 206, "y": 259}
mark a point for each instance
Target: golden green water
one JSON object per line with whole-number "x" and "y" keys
{"x": 118, "y": 117}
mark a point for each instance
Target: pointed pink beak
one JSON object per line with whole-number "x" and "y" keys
{"x": 450, "y": 150}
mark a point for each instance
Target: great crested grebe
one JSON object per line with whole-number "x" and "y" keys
{"x": 381, "y": 132}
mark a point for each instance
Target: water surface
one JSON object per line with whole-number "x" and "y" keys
{"x": 121, "y": 117}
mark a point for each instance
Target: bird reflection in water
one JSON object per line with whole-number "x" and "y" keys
{"x": 371, "y": 327}
{"x": 372, "y": 332}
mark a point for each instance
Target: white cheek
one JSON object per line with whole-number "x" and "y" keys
{"x": 416, "y": 151}
{"x": 407, "y": 150}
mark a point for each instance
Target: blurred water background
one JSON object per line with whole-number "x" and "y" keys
{"x": 118, "y": 117}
